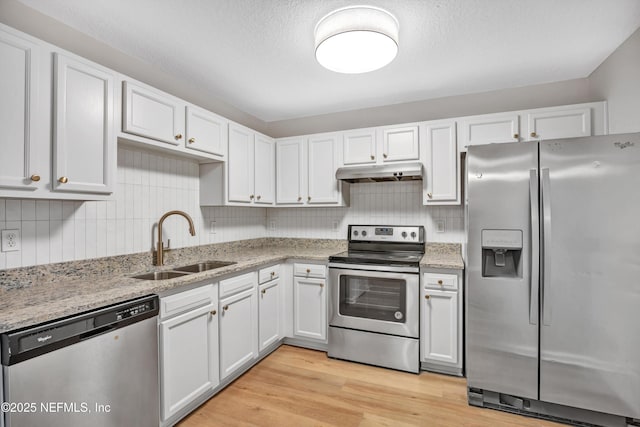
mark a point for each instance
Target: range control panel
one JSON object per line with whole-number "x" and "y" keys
{"x": 386, "y": 233}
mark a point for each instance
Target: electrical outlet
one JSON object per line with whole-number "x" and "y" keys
{"x": 440, "y": 225}
{"x": 335, "y": 224}
{"x": 212, "y": 227}
{"x": 272, "y": 225}
{"x": 10, "y": 240}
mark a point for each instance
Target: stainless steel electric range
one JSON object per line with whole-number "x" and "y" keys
{"x": 374, "y": 291}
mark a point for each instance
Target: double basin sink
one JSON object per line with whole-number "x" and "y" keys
{"x": 184, "y": 270}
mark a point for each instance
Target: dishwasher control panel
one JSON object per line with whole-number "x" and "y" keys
{"x": 134, "y": 310}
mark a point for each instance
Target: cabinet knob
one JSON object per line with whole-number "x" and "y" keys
{"x": 251, "y": 197}
{"x": 516, "y": 136}
{"x": 373, "y": 157}
{"x": 35, "y": 178}
{"x": 273, "y": 273}
{"x": 264, "y": 291}
{"x": 427, "y": 297}
{"x": 533, "y": 134}
{"x": 430, "y": 195}
{"x": 259, "y": 197}
{"x": 308, "y": 270}
{"x": 214, "y": 312}
{"x": 179, "y": 136}
{"x": 225, "y": 308}
{"x": 384, "y": 155}
{"x": 322, "y": 285}
{"x": 192, "y": 140}
{"x": 309, "y": 198}
{"x": 440, "y": 282}
{"x": 299, "y": 198}
{"x": 63, "y": 179}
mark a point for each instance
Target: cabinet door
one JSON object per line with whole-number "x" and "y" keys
{"x": 152, "y": 114}
{"x": 240, "y": 164}
{"x": 559, "y": 122}
{"x": 439, "y": 329}
{"x": 488, "y": 129}
{"x": 264, "y": 169}
{"x": 289, "y": 171}
{"x": 400, "y": 143}
{"x": 270, "y": 308}
{"x": 206, "y": 131}
{"x": 188, "y": 358}
{"x": 441, "y": 184}
{"x": 18, "y": 119}
{"x": 359, "y": 147}
{"x": 238, "y": 331}
{"x": 83, "y": 138}
{"x": 310, "y": 308}
{"x": 322, "y": 164}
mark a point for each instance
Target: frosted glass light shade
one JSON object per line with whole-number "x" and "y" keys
{"x": 356, "y": 39}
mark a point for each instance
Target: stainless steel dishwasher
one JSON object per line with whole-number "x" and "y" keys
{"x": 98, "y": 368}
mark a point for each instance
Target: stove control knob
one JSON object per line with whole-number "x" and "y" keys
{"x": 364, "y": 233}
{"x": 404, "y": 234}
{"x": 413, "y": 234}
{"x": 355, "y": 233}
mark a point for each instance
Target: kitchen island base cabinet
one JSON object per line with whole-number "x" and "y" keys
{"x": 238, "y": 331}
{"x": 188, "y": 349}
{"x": 310, "y": 308}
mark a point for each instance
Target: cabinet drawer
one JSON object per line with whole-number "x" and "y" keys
{"x": 237, "y": 284}
{"x": 310, "y": 270}
{"x": 447, "y": 282}
{"x": 268, "y": 273}
{"x": 187, "y": 300}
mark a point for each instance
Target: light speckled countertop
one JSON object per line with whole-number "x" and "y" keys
{"x": 33, "y": 295}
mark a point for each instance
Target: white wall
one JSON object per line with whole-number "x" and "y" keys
{"x": 388, "y": 203}
{"x": 149, "y": 184}
{"x": 617, "y": 80}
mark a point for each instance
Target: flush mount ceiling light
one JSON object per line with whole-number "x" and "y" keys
{"x": 356, "y": 39}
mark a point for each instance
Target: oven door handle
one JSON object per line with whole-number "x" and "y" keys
{"x": 374, "y": 268}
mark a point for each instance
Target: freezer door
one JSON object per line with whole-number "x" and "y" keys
{"x": 589, "y": 338}
{"x": 502, "y": 294}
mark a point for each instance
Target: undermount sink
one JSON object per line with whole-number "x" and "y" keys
{"x": 160, "y": 275}
{"x": 204, "y": 266}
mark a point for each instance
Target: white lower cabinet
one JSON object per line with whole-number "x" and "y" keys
{"x": 188, "y": 349}
{"x": 310, "y": 308}
{"x": 441, "y": 322}
{"x": 269, "y": 308}
{"x": 238, "y": 330}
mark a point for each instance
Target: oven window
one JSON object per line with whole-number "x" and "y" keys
{"x": 373, "y": 298}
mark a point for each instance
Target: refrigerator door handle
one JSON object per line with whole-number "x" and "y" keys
{"x": 535, "y": 247}
{"x": 546, "y": 247}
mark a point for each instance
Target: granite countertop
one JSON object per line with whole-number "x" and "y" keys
{"x": 443, "y": 255}
{"x": 33, "y": 295}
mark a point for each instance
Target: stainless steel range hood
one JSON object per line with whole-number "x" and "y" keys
{"x": 380, "y": 173}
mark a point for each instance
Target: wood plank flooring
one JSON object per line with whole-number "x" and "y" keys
{"x": 300, "y": 387}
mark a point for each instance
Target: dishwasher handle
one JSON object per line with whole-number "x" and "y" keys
{"x": 27, "y": 343}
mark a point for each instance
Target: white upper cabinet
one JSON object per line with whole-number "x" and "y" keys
{"x": 240, "y": 164}
{"x": 488, "y": 129}
{"x": 206, "y": 131}
{"x": 152, "y": 114}
{"x": 322, "y": 164}
{"x": 558, "y": 122}
{"x": 290, "y": 171}
{"x": 399, "y": 143}
{"x": 19, "y": 162}
{"x": 441, "y": 182}
{"x": 83, "y": 137}
{"x": 360, "y": 146}
{"x": 265, "y": 162}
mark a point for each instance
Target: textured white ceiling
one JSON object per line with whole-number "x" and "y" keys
{"x": 259, "y": 55}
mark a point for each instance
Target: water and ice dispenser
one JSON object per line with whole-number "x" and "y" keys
{"x": 501, "y": 253}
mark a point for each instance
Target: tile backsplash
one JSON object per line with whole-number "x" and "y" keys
{"x": 150, "y": 184}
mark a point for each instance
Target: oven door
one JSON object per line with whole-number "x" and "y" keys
{"x": 375, "y": 301}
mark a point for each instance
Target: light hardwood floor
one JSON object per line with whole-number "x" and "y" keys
{"x": 299, "y": 387}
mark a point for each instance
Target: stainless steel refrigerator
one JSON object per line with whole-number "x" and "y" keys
{"x": 553, "y": 278}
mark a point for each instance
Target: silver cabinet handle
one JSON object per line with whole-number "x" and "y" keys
{"x": 546, "y": 247}
{"x": 535, "y": 249}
